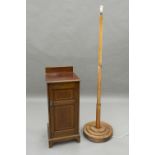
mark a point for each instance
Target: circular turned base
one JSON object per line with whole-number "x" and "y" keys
{"x": 102, "y": 134}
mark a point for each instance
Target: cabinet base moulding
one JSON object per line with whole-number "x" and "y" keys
{"x": 54, "y": 140}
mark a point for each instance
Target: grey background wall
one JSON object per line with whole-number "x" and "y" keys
{"x": 65, "y": 32}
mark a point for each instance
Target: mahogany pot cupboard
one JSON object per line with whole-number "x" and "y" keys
{"x": 63, "y": 88}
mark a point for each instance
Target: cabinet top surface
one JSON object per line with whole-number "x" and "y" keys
{"x": 60, "y": 74}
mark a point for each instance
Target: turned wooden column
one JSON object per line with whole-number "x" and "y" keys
{"x": 98, "y": 131}
{"x": 99, "y": 79}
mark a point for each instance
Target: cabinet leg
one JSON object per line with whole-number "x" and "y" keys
{"x": 50, "y": 144}
{"x": 78, "y": 139}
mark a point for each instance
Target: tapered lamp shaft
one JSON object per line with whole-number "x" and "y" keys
{"x": 98, "y": 131}
{"x": 99, "y": 79}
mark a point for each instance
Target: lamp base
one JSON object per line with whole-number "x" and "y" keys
{"x": 94, "y": 134}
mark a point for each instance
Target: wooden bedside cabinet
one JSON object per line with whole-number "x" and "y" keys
{"x": 63, "y": 104}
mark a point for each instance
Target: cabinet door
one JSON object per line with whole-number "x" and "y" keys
{"x": 64, "y": 109}
{"x": 64, "y": 120}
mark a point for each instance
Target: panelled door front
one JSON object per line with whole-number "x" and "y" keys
{"x": 63, "y": 108}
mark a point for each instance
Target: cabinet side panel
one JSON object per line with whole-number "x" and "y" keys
{"x": 77, "y": 91}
